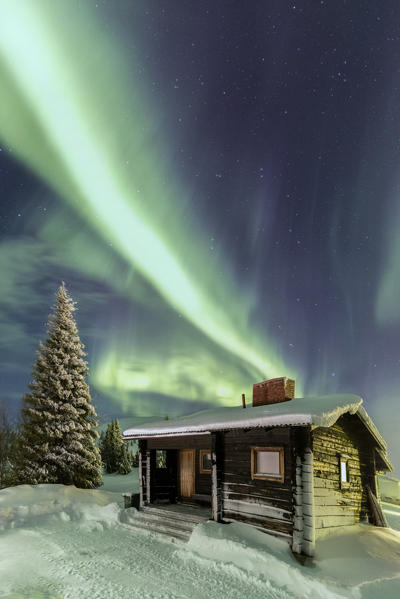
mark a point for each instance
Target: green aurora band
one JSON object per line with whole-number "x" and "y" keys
{"x": 70, "y": 112}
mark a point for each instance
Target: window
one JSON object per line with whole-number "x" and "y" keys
{"x": 205, "y": 461}
{"x": 344, "y": 472}
{"x": 267, "y": 463}
{"x": 161, "y": 458}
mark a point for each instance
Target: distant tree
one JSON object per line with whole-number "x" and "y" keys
{"x": 8, "y": 446}
{"x": 134, "y": 456}
{"x": 58, "y": 420}
{"x": 115, "y": 454}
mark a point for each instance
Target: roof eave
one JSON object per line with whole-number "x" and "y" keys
{"x": 370, "y": 426}
{"x": 164, "y": 434}
{"x": 213, "y": 429}
{"x": 387, "y": 465}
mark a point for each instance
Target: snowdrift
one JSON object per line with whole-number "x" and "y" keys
{"x": 360, "y": 563}
{"x": 29, "y": 505}
{"x": 76, "y": 543}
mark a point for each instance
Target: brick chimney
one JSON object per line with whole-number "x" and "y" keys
{"x": 273, "y": 391}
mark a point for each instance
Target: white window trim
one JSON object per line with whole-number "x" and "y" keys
{"x": 343, "y": 459}
{"x": 279, "y": 478}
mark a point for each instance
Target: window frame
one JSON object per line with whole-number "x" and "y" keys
{"x": 344, "y": 459}
{"x": 278, "y": 478}
{"x": 161, "y": 467}
{"x": 201, "y": 454}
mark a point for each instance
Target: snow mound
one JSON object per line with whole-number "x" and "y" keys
{"x": 266, "y": 558}
{"x": 33, "y": 504}
{"x": 363, "y": 563}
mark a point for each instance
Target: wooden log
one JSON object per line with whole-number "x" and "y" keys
{"x": 379, "y": 518}
{"x": 277, "y": 503}
{"x": 257, "y": 509}
{"x": 148, "y": 470}
{"x": 182, "y": 442}
{"x": 330, "y": 521}
{"x": 322, "y": 532}
{"x": 308, "y": 505}
{"x": 298, "y": 525}
{"x": 336, "y": 499}
{"x": 216, "y": 468}
{"x": 309, "y": 534}
{"x": 308, "y": 509}
{"x": 257, "y": 487}
{"x": 337, "y": 510}
{"x": 141, "y": 449}
{"x": 308, "y": 547}
{"x": 284, "y": 526}
{"x": 308, "y": 496}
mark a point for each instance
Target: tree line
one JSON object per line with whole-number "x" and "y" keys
{"x": 57, "y": 440}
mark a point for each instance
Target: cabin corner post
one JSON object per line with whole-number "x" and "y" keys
{"x": 307, "y": 473}
{"x": 375, "y": 476}
{"x": 216, "y": 495}
{"x": 298, "y": 527}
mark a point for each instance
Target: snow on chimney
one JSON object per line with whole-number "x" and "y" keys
{"x": 273, "y": 391}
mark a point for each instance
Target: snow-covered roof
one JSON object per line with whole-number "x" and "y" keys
{"x": 323, "y": 410}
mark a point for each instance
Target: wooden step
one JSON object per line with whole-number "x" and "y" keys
{"x": 167, "y": 523}
{"x": 186, "y": 517}
{"x": 170, "y": 522}
{"x": 164, "y": 531}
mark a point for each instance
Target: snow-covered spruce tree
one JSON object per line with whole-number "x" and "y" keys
{"x": 8, "y": 449}
{"x": 58, "y": 420}
{"x": 114, "y": 452}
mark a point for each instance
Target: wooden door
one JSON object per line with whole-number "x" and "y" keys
{"x": 187, "y": 472}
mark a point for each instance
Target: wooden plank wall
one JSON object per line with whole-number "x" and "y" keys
{"x": 203, "y": 480}
{"x": 335, "y": 506}
{"x": 263, "y": 503}
{"x": 189, "y": 442}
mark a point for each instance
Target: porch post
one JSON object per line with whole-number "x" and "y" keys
{"x": 216, "y": 458}
{"x": 141, "y": 450}
{"x": 147, "y": 476}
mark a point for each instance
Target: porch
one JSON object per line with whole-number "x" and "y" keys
{"x": 179, "y": 474}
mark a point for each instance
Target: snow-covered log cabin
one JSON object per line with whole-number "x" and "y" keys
{"x": 293, "y": 467}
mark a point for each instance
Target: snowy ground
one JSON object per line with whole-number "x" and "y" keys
{"x": 392, "y": 513}
{"x": 60, "y": 542}
{"x": 128, "y": 483}
{"x": 389, "y": 487}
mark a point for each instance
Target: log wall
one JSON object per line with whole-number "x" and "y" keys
{"x": 266, "y": 504}
{"x": 181, "y": 442}
{"x": 336, "y": 505}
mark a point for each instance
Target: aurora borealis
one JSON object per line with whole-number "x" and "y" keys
{"x": 219, "y": 189}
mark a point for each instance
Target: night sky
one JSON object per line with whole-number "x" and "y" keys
{"x": 218, "y": 185}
